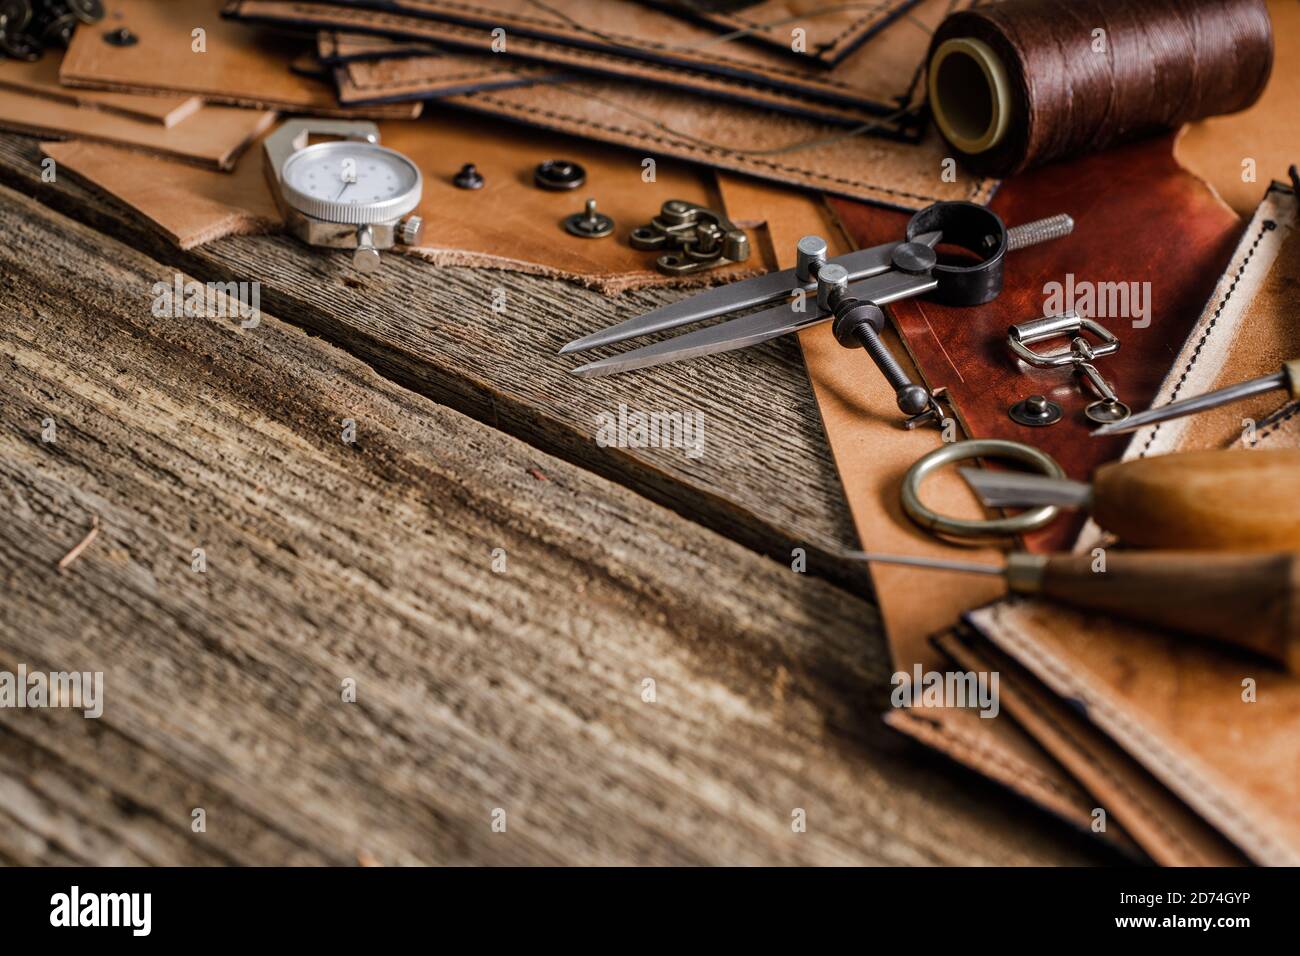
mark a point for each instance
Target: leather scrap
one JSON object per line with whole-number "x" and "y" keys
{"x": 831, "y": 31}
{"x": 212, "y": 136}
{"x": 240, "y": 65}
{"x": 509, "y": 224}
{"x": 41, "y": 78}
{"x": 624, "y": 39}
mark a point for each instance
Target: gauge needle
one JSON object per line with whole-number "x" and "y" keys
{"x": 342, "y": 191}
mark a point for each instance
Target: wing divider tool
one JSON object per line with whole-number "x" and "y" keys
{"x": 853, "y": 293}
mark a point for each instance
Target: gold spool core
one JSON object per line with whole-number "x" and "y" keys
{"x": 969, "y": 94}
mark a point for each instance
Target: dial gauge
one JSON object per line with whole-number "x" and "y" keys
{"x": 351, "y": 182}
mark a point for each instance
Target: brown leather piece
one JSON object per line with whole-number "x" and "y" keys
{"x": 533, "y": 51}
{"x": 41, "y": 78}
{"x": 509, "y": 224}
{"x": 1177, "y": 705}
{"x": 658, "y": 122}
{"x": 1139, "y": 218}
{"x": 625, "y": 39}
{"x": 212, "y": 136}
{"x": 1148, "y": 813}
{"x": 430, "y": 76}
{"x": 871, "y": 452}
{"x": 1267, "y": 134}
{"x": 241, "y": 66}
{"x": 190, "y": 206}
{"x": 830, "y": 31}
{"x": 334, "y": 46}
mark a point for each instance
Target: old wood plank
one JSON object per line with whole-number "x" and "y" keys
{"x": 765, "y": 477}
{"x": 373, "y": 561}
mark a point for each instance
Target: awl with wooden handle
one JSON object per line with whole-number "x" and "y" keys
{"x": 1214, "y": 500}
{"x": 1246, "y": 600}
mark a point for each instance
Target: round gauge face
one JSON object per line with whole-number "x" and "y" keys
{"x": 351, "y": 182}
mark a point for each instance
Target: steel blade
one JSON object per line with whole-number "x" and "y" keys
{"x": 754, "y": 329}
{"x": 736, "y": 296}
{"x": 1014, "y": 489}
{"x": 724, "y": 337}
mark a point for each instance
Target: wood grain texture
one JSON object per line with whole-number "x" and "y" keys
{"x": 372, "y": 560}
{"x": 766, "y": 477}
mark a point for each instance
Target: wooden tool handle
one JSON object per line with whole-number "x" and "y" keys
{"x": 1292, "y": 369}
{"x": 1242, "y": 500}
{"x": 1249, "y": 600}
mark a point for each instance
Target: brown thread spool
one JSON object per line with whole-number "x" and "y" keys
{"x": 1020, "y": 83}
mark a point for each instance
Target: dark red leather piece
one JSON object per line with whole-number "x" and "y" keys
{"x": 1139, "y": 217}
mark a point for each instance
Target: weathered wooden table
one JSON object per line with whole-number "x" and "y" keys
{"x": 494, "y": 589}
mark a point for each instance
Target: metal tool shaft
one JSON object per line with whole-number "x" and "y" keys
{"x": 1198, "y": 403}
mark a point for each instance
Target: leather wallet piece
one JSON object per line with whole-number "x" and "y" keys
{"x": 528, "y": 53}
{"x": 1155, "y": 819}
{"x": 624, "y": 39}
{"x": 368, "y": 79}
{"x": 830, "y": 31}
{"x": 213, "y": 136}
{"x": 41, "y": 78}
{"x": 508, "y": 224}
{"x": 239, "y": 65}
{"x": 333, "y": 46}
{"x": 1217, "y": 728}
{"x": 665, "y": 123}
{"x": 1143, "y": 227}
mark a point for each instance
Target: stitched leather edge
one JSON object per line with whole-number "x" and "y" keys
{"x": 485, "y": 15}
{"x": 979, "y": 193}
{"x": 1186, "y": 776}
{"x": 1190, "y": 854}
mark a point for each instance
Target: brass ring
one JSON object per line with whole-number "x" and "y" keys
{"x": 993, "y": 527}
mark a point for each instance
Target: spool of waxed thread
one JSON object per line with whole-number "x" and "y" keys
{"x": 1025, "y": 82}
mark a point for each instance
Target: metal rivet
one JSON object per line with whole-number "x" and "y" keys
{"x": 589, "y": 224}
{"x": 122, "y": 36}
{"x": 469, "y": 177}
{"x": 1035, "y": 411}
{"x": 559, "y": 174}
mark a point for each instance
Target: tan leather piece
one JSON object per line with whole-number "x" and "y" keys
{"x": 612, "y": 63}
{"x": 189, "y": 205}
{"x": 1249, "y": 328}
{"x": 333, "y": 46}
{"x": 1267, "y": 133}
{"x": 882, "y": 73}
{"x": 431, "y": 75}
{"x": 41, "y": 78}
{"x": 830, "y": 30}
{"x": 871, "y": 459}
{"x": 1004, "y": 754}
{"x": 509, "y": 224}
{"x": 1148, "y": 813}
{"x": 241, "y": 66}
{"x": 213, "y": 136}
{"x": 1173, "y": 703}
{"x": 659, "y": 122}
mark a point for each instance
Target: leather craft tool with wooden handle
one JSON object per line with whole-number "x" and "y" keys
{"x": 1250, "y": 601}
{"x": 1240, "y": 499}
